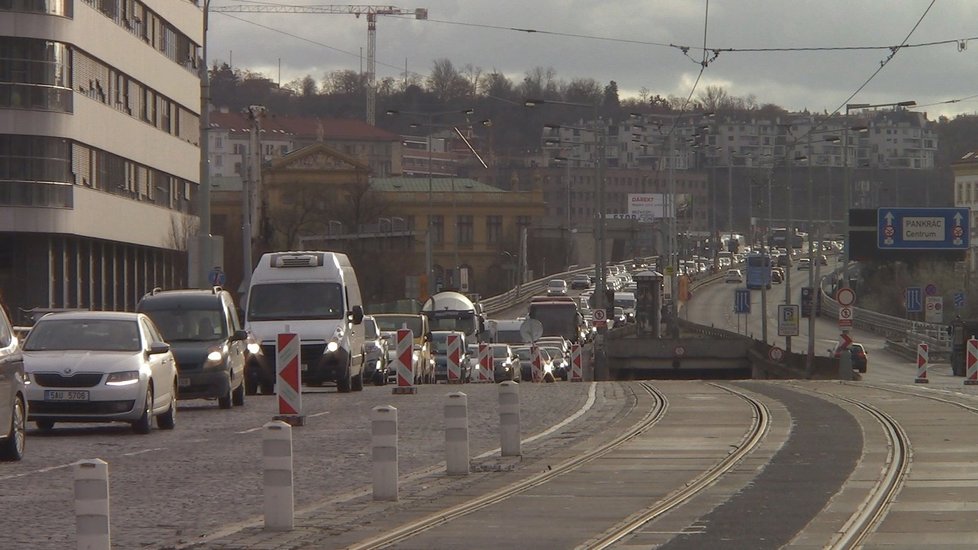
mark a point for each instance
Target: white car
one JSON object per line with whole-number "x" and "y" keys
{"x": 100, "y": 366}
{"x": 733, "y": 276}
{"x": 557, "y": 287}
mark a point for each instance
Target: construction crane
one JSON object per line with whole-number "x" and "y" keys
{"x": 370, "y": 11}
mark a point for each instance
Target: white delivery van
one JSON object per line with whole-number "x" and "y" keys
{"x": 315, "y": 295}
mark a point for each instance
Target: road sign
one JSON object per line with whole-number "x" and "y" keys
{"x": 934, "y": 309}
{"x": 775, "y": 353}
{"x": 923, "y": 228}
{"x": 930, "y": 289}
{"x": 845, "y": 296}
{"x": 914, "y": 299}
{"x": 217, "y": 277}
{"x": 599, "y": 315}
{"x": 742, "y": 301}
{"x": 959, "y": 299}
{"x": 845, "y": 317}
{"x": 789, "y": 320}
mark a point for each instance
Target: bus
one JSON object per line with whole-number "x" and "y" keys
{"x": 758, "y": 270}
{"x": 779, "y": 239}
{"x": 559, "y": 317}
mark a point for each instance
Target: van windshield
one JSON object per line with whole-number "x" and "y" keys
{"x": 293, "y": 300}
{"x": 389, "y": 323}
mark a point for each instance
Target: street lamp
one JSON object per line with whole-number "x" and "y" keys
{"x": 429, "y": 118}
{"x": 846, "y": 249}
{"x": 599, "y": 226}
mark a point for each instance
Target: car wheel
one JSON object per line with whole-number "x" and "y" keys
{"x": 250, "y": 387}
{"x": 224, "y": 401}
{"x": 344, "y": 383}
{"x": 268, "y": 388}
{"x": 238, "y": 396}
{"x": 168, "y": 420}
{"x": 13, "y": 447}
{"x": 145, "y": 422}
{"x": 380, "y": 378}
{"x": 45, "y": 425}
{"x": 357, "y": 382}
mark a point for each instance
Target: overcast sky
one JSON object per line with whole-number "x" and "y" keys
{"x": 618, "y": 40}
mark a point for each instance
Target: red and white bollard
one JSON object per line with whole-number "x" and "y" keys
{"x": 485, "y": 364}
{"x": 288, "y": 383}
{"x": 922, "y": 364}
{"x": 577, "y": 364}
{"x": 971, "y": 379}
{"x": 453, "y": 358}
{"x": 404, "y": 363}
{"x": 536, "y": 363}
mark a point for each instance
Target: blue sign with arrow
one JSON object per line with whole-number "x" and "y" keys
{"x": 959, "y": 299}
{"x": 914, "y": 299}
{"x": 923, "y": 228}
{"x": 742, "y": 301}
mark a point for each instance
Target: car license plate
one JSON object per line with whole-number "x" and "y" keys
{"x": 65, "y": 395}
{"x": 184, "y": 382}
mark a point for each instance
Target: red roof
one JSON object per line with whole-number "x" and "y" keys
{"x": 305, "y": 127}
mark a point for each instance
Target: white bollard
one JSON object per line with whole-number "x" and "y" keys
{"x": 276, "y": 449}
{"x": 383, "y": 432}
{"x": 92, "y": 505}
{"x": 509, "y": 418}
{"x": 457, "y": 434}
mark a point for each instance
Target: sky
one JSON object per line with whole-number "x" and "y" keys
{"x": 628, "y": 41}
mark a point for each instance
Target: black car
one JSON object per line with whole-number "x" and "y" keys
{"x": 207, "y": 340}
{"x": 580, "y": 282}
{"x": 13, "y": 402}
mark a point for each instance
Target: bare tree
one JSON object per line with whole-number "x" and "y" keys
{"x": 345, "y": 82}
{"x": 447, "y": 83}
{"x": 583, "y": 90}
{"x": 182, "y": 229}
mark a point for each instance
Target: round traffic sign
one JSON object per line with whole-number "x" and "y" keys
{"x": 679, "y": 351}
{"x": 775, "y": 353}
{"x": 930, "y": 289}
{"x": 845, "y": 312}
{"x": 531, "y": 330}
{"x": 599, "y": 315}
{"x": 845, "y": 296}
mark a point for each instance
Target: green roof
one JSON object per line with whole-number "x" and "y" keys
{"x": 438, "y": 185}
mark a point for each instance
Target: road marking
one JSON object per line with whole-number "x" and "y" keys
{"x": 144, "y": 451}
{"x": 251, "y": 430}
{"x": 318, "y": 414}
{"x": 41, "y": 471}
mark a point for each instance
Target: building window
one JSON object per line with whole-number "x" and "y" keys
{"x": 466, "y": 231}
{"x": 49, "y": 7}
{"x": 494, "y": 229}
{"x": 34, "y": 75}
{"x": 437, "y": 227}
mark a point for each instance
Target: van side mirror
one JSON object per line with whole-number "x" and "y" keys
{"x": 239, "y": 335}
{"x": 357, "y": 315}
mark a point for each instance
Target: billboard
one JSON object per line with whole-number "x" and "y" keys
{"x": 649, "y": 206}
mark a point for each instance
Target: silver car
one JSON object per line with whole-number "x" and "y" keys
{"x": 99, "y": 366}
{"x": 13, "y": 401}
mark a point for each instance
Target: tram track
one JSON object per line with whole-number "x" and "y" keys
{"x": 753, "y": 437}
{"x": 411, "y": 529}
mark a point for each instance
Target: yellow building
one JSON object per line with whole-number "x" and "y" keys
{"x": 319, "y": 198}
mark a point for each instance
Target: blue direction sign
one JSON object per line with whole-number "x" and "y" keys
{"x": 217, "y": 277}
{"x": 923, "y": 228}
{"x": 958, "y": 299}
{"x": 914, "y": 299}
{"x": 742, "y": 300}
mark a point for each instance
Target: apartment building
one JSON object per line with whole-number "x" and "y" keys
{"x": 966, "y": 196}
{"x": 99, "y": 148}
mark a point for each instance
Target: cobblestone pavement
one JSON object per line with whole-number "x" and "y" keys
{"x": 173, "y": 488}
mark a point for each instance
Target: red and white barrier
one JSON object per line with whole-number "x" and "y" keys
{"x": 971, "y": 379}
{"x": 404, "y": 363}
{"x": 485, "y": 364}
{"x": 288, "y": 384}
{"x": 577, "y": 364}
{"x": 454, "y": 358}
{"x": 536, "y": 363}
{"x": 922, "y": 364}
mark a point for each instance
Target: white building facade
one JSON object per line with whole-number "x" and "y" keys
{"x": 99, "y": 149}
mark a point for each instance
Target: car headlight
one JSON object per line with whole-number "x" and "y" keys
{"x": 214, "y": 355}
{"x": 125, "y": 378}
{"x": 548, "y": 368}
{"x": 254, "y": 348}
{"x": 332, "y": 346}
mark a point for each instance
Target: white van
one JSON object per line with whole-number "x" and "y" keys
{"x": 315, "y": 295}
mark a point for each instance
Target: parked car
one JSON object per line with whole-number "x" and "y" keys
{"x": 733, "y": 276}
{"x": 100, "y": 366}
{"x": 581, "y": 281}
{"x": 857, "y": 353}
{"x": 206, "y": 339}
{"x": 505, "y": 363}
{"x": 375, "y": 349}
{"x": 13, "y": 393}
{"x": 557, "y": 287}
